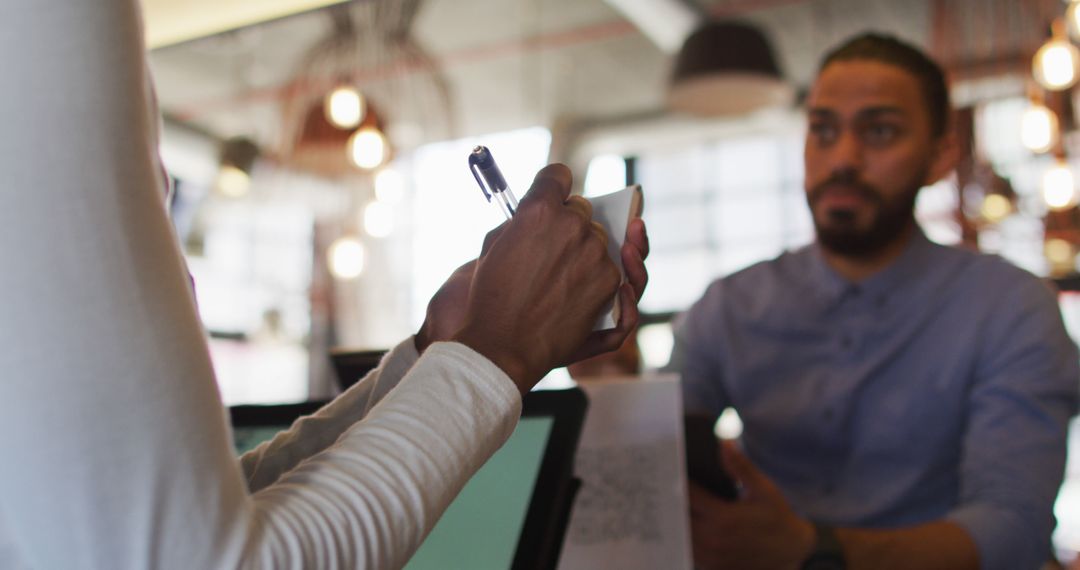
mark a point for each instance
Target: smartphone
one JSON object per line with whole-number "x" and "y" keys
{"x": 704, "y": 464}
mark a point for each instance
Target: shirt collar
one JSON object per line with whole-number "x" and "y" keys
{"x": 832, "y": 288}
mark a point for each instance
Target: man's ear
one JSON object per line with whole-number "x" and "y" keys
{"x": 946, "y": 157}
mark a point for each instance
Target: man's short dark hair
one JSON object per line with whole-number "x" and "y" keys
{"x": 889, "y": 50}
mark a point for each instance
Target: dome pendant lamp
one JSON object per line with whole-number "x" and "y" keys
{"x": 727, "y": 69}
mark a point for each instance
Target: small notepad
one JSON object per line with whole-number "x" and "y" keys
{"x": 614, "y": 211}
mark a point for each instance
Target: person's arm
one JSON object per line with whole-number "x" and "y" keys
{"x": 761, "y": 531}
{"x": 314, "y": 433}
{"x": 1011, "y": 467}
{"x": 1014, "y": 447}
{"x": 939, "y": 544}
{"x": 1013, "y": 455}
{"x": 125, "y": 460}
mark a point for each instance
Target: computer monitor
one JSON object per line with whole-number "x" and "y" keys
{"x": 513, "y": 513}
{"x": 352, "y": 365}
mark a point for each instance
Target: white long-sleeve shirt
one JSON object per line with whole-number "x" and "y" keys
{"x": 115, "y": 449}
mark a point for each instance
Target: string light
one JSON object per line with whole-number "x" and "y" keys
{"x": 344, "y": 107}
{"x": 232, "y": 182}
{"x": 1038, "y": 128}
{"x": 346, "y": 258}
{"x": 1072, "y": 19}
{"x": 1058, "y": 187}
{"x": 1058, "y": 252}
{"x": 1055, "y": 65}
{"x": 368, "y": 148}
{"x": 995, "y": 208}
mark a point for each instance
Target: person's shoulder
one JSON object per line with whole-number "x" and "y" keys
{"x": 992, "y": 266}
{"x": 995, "y": 276}
{"x": 758, "y": 282}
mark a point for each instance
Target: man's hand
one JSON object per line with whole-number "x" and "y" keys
{"x": 758, "y": 531}
{"x": 541, "y": 283}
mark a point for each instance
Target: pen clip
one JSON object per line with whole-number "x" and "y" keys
{"x": 479, "y": 179}
{"x": 486, "y": 172}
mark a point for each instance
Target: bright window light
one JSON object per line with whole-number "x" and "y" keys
{"x": 655, "y": 343}
{"x": 606, "y": 174}
{"x": 451, "y": 216}
{"x": 730, "y": 425}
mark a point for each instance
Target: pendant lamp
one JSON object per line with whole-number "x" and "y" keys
{"x": 727, "y": 69}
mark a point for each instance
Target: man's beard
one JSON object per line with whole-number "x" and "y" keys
{"x": 841, "y": 235}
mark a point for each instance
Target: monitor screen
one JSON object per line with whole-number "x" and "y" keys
{"x": 482, "y": 526}
{"x": 513, "y": 512}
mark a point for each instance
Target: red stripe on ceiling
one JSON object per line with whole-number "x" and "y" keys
{"x": 469, "y": 55}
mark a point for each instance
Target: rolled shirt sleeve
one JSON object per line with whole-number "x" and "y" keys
{"x": 311, "y": 434}
{"x": 1014, "y": 447}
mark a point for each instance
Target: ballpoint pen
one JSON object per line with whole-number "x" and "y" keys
{"x": 491, "y": 180}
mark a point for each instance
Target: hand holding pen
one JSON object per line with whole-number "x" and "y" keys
{"x": 540, "y": 282}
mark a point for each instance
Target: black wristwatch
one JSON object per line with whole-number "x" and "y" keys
{"x": 827, "y": 553}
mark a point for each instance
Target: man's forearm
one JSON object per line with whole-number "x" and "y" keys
{"x": 939, "y": 544}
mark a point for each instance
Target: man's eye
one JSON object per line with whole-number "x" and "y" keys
{"x": 880, "y": 133}
{"x": 823, "y": 132}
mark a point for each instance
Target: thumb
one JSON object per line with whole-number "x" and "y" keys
{"x": 552, "y": 183}
{"x": 755, "y": 484}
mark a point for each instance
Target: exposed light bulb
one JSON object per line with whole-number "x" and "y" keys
{"x": 995, "y": 208}
{"x": 1058, "y": 251}
{"x": 389, "y": 186}
{"x": 344, "y": 107}
{"x": 232, "y": 182}
{"x": 1038, "y": 128}
{"x": 367, "y": 148}
{"x": 1055, "y": 65}
{"x": 379, "y": 219}
{"x": 1058, "y": 187}
{"x": 346, "y": 257}
{"x": 1072, "y": 19}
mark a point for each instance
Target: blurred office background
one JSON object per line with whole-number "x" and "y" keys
{"x": 318, "y": 151}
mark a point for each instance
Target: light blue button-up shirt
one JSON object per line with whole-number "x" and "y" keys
{"x": 940, "y": 387}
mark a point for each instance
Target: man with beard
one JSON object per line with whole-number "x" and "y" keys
{"x": 905, "y": 404}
